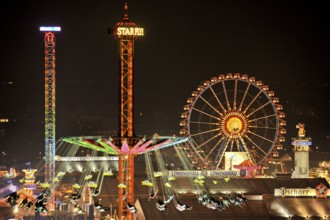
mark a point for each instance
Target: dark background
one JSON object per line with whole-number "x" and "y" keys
{"x": 283, "y": 43}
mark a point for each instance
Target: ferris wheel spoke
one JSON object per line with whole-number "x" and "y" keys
{"x": 243, "y": 143}
{"x": 215, "y": 146}
{"x": 216, "y": 97}
{"x": 222, "y": 154}
{"x": 200, "y": 111}
{"x": 267, "y": 116}
{"x": 211, "y": 106}
{"x": 235, "y": 94}
{"x": 258, "y": 108}
{"x": 254, "y": 144}
{"x": 252, "y": 101}
{"x": 246, "y": 148}
{"x": 243, "y": 99}
{"x": 225, "y": 92}
{"x": 205, "y": 123}
{"x": 207, "y": 141}
{"x": 266, "y": 139}
{"x": 231, "y": 144}
{"x": 262, "y": 127}
{"x": 258, "y": 156}
{"x": 237, "y": 143}
{"x": 204, "y": 132}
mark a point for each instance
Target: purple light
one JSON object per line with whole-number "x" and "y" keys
{"x": 50, "y": 28}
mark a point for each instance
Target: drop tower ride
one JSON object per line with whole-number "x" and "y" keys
{"x": 126, "y": 32}
{"x": 50, "y": 76}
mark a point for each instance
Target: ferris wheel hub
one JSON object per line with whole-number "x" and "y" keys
{"x": 233, "y": 124}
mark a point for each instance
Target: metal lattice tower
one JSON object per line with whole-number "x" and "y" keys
{"x": 126, "y": 55}
{"x": 126, "y": 32}
{"x": 126, "y": 145}
{"x": 50, "y": 73}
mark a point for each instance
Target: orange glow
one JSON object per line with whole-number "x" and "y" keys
{"x": 234, "y": 125}
{"x": 129, "y": 31}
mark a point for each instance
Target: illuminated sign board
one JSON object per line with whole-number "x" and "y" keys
{"x": 319, "y": 191}
{"x": 284, "y": 192}
{"x": 301, "y": 148}
{"x": 50, "y": 28}
{"x": 206, "y": 173}
{"x": 129, "y": 31}
{"x": 301, "y": 143}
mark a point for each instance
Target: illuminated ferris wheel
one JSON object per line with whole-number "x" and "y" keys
{"x": 232, "y": 113}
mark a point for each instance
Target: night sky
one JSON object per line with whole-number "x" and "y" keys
{"x": 283, "y": 43}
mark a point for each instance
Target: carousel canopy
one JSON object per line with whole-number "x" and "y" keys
{"x": 247, "y": 165}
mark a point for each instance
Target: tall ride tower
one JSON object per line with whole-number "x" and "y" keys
{"x": 50, "y": 73}
{"x": 126, "y": 144}
{"x": 126, "y": 32}
{"x": 301, "y": 149}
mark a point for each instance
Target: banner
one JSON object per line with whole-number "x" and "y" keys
{"x": 207, "y": 173}
{"x": 320, "y": 191}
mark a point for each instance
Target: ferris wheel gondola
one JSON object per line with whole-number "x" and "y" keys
{"x": 232, "y": 113}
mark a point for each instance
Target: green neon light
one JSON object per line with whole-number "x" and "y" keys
{"x": 78, "y": 141}
{"x": 106, "y": 146}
